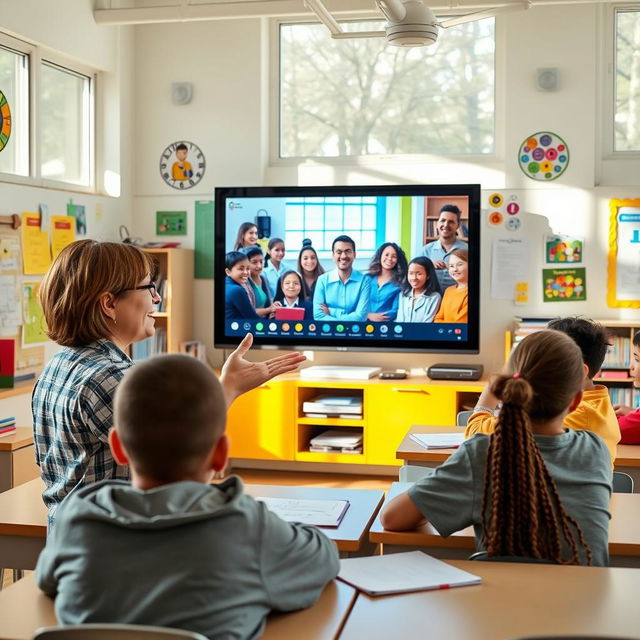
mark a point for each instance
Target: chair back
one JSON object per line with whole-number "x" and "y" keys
{"x": 463, "y": 417}
{"x": 483, "y": 556}
{"x": 114, "y": 632}
{"x": 622, "y": 482}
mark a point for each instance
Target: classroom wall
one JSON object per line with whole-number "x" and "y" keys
{"x": 68, "y": 29}
{"x": 228, "y": 63}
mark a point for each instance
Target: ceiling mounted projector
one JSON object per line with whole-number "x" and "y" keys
{"x": 410, "y": 23}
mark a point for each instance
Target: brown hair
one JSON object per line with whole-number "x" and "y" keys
{"x": 83, "y": 271}
{"x": 169, "y": 411}
{"x": 522, "y": 511}
{"x": 463, "y": 254}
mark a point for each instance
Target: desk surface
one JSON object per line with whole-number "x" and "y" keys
{"x": 22, "y": 512}
{"x": 21, "y": 437}
{"x": 627, "y": 455}
{"x": 354, "y": 527}
{"x": 624, "y": 528}
{"x": 514, "y": 600}
{"x": 24, "y": 608}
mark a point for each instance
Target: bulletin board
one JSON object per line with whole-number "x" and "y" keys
{"x": 29, "y": 361}
{"x": 623, "y": 277}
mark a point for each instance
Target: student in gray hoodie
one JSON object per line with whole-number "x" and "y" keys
{"x": 171, "y": 549}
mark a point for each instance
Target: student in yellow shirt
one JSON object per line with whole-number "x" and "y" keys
{"x": 594, "y": 413}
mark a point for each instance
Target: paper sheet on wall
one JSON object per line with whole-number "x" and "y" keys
{"x": 510, "y": 265}
{"x": 9, "y": 254}
{"x": 62, "y": 233}
{"x": 628, "y": 258}
{"x": 10, "y": 317}
{"x": 34, "y": 326}
{"x": 36, "y": 254}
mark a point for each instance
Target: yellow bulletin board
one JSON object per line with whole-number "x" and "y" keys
{"x": 623, "y": 277}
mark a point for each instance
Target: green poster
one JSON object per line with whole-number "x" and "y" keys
{"x": 564, "y": 285}
{"x": 171, "y": 223}
{"x": 203, "y": 256}
{"x": 33, "y": 326}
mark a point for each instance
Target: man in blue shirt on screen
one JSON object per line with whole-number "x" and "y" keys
{"x": 439, "y": 250}
{"x": 342, "y": 294}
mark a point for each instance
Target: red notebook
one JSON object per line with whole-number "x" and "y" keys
{"x": 289, "y": 313}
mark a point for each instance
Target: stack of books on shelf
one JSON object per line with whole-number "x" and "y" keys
{"x": 623, "y": 395}
{"x": 7, "y": 426}
{"x": 161, "y": 286}
{"x": 152, "y": 346}
{"x": 525, "y": 326}
{"x": 347, "y": 407}
{"x": 337, "y": 441}
{"x": 619, "y": 353}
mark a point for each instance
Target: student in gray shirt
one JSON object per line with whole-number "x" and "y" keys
{"x": 532, "y": 488}
{"x": 170, "y": 549}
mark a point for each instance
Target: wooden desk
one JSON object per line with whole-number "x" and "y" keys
{"x": 23, "y": 525}
{"x": 514, "y": 600}
{"x": 415, "y": 456}
{"x": 624, "y": 533}
{"x": 17, "y": 458}
{"x": 352, "y": 534}
{"x": 24, "y": 608}
{"x": 23, "y": 518}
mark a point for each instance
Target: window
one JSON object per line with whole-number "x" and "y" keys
{"x": 65, "y": 125}
{"x": 360, "y": 97}
{"x": 627, "y": 80}
{"x": 322, "y": 219}
{"x": 50, "y": 108}
{"x": 14, "y": 137}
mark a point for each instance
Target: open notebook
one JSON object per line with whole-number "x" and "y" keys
{"x": 321, "y": 513}
{"x": 402, "y": 573}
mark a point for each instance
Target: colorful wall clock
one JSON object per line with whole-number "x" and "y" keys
{"x": 543, "y": 156}
{"x": 182, "y": 165}
{"x": 5, "y": 121}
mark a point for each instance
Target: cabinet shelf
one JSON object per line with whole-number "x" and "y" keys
{"x": 332, "y": 422}
{"x": 324, "y": 456}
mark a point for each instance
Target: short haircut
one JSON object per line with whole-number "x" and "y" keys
{"x": 343, "y": 238}
{"x": 232, "y": 258}
{"x": 169, "y": 411}
{"x": 83, "y": 271}
{"x": 451, "y": 208}
{"x": 636, "y": 339}
{"x": 589, "y": 335}
{"x": 182, "y": 147}
{"x": 252, "y": 251}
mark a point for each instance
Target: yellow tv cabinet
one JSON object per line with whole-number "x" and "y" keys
{"x": 269, "y": 424}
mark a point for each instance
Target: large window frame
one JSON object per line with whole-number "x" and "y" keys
{"x": 492, "y": 160}
{"x": 37, "y": 57}
{"x": 615, "y": 167}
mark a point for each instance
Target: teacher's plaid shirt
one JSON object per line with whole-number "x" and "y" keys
{"x": 72, "y": 414}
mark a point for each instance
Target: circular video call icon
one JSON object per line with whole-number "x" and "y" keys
{"x": 272, "y": 326}
{"x": 384, "y": 328}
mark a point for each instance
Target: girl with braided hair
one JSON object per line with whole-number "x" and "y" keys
{"x": 532, "y": 488}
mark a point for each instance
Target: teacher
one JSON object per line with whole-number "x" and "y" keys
{"x": 98, "y": 298}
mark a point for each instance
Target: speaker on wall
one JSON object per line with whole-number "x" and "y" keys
{"x": 263, "y": 222}
{"x": 547, "y": 79}
{"x": 181, "y": 92}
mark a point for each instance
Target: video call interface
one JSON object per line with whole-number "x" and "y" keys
{"x": 392, "y": 268}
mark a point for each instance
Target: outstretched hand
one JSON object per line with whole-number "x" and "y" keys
{"x": 239, "y": 375}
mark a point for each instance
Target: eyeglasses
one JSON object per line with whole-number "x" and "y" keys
{"x": 151, "y": 287}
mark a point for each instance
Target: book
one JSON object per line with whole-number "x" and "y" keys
{"x": 438, "y": 440}
{"x": 333, "y": 404}
{"x": 402, "y": 573}
{"x": 337, "y": 438}
{"x": 321, "y": 513}
{"x": 343, "y": 416}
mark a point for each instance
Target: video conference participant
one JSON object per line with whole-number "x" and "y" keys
{"x": 237, "y": 298}
{"x": 439, "y": 250}
{"x": 342, "y": 294}
{"x": 387, "y": 272}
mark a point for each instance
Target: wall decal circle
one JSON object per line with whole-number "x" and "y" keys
{"x": 182, "y": 165}
{"x": 5, "y": 121}
{"x": 543, "y": 156}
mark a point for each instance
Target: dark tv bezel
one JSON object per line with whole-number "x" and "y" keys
{"x": 470, "y": 346}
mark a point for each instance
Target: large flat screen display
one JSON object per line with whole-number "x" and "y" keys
{"x": 358, "y": 267}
